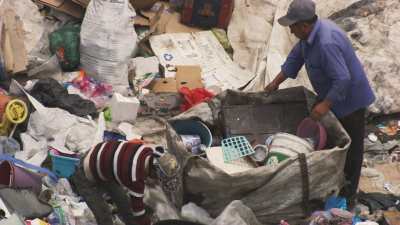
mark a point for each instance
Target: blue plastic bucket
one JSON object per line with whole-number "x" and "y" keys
{"x": 63, "y": 166}
{"x": 193, "y": 127}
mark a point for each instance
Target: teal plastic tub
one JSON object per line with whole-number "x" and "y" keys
{"x": 193, "y": 127}
{"x": 63, "y": 166}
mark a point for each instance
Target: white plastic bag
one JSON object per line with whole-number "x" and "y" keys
{"x": 108, "y": 40}
{"x": 194, "y": 213}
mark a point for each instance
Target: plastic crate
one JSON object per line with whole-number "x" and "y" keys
{"x": 235, "y": 148}
{"x": 63, "y": 166}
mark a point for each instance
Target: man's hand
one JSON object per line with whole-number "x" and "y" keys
{"x": 274, "y": 85}
{"x": 321, "y": 109}
{"x": 271, "y": 87}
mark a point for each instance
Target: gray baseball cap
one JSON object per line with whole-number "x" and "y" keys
{"x": 299, "y": 10}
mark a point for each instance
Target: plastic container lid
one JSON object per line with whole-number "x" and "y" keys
{"x": 236, "y": 147}
{"x": 193, "y": 127}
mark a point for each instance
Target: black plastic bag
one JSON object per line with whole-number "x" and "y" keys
{"x": 52, "y": 94}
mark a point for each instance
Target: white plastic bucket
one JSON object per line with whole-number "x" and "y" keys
{"x": 285, "y": 146}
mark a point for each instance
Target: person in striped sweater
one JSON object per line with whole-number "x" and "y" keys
{"x": 126, "y": 164}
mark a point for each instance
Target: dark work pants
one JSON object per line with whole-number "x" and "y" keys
{"x": 354, "y": 124}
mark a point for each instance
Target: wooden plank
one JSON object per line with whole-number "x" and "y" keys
{"x": 14, "y": 28}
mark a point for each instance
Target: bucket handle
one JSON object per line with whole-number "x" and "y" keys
{"x": 6, "y": 157}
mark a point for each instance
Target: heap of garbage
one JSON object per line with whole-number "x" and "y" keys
{"x": 184, "y": 79}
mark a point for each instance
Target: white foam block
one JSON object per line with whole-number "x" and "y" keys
{"x": 124, "y": 109}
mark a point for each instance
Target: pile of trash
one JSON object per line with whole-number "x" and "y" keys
{"x": 167, "y": 76}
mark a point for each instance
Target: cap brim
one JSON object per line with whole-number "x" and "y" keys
{"x": 285, "y": 21}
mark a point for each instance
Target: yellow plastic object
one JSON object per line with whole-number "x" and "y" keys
{"x": 16, "y": 112}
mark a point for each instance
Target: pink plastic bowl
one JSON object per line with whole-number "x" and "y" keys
{"x": 310, "y": 128}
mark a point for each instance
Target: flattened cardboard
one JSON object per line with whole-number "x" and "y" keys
{"x": 204, "y": 49}
{"x": 165, "y": 85}
{"x": 66, "y": 6}
{"x": 188, "y": 76}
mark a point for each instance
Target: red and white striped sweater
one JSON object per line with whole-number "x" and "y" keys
{"x": 123, "y": 162}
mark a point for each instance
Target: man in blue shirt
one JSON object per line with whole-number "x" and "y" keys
{"x": 336, "y": 75}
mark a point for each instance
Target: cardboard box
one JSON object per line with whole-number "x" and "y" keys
{"x": 186, "y": 76}
{"x": 162, "y": 101}
{"x": 164, "y": 21}
{"x": 66, "y": 6}
{"x": 164, "y": 85}
{"x": 124, "y": 109}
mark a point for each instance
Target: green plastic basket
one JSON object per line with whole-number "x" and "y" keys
{"x": 235, "y": 148}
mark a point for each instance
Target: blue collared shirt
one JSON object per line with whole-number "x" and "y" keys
{"x": 333, "y": 68}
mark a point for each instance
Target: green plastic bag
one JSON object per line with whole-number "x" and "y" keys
{"x": 64, "y": 42}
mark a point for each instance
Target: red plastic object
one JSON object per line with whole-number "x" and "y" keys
{"x": 194, "y": 97}
{"x": 310, "y": 128}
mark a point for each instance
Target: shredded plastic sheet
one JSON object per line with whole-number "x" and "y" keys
{"x": 200, "y": 48}
{"x": 249, "y": 31}
{"x": 264, "y": 48}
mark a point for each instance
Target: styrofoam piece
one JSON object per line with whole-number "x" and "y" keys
{"x": 124, "y": 109}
